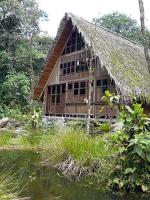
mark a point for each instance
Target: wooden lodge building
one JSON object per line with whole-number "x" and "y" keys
{"x": 118, "y": 65}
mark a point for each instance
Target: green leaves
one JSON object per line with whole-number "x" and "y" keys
{"x": 123, "y": 25}
{"x": 133, "y": 147}
{"x": 148, "y": 156}
{"x": 15, "y": 90}
{"x": 139, "y": 150}
{"x": 129, "y": 170}
{"x": 19, "y": 22}
{"x": 141, "y": 144}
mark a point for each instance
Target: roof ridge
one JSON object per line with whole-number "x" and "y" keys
{"x": 96, "y": 25}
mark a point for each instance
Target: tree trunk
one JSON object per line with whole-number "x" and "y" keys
{"x": 90, "y": 87}
{"x": 142, "y": 18}
{"x": 89, "y": 97}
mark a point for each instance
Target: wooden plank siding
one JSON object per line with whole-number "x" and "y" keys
{"x": 52, "y": 60}
{"x": 63, "y": 68}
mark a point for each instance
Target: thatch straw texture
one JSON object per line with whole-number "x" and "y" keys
{"x": 123, "y": 59}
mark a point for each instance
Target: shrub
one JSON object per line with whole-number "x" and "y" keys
{"x": 132, "y": 171}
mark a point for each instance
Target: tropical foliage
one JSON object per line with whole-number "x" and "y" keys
{"x": 133, "y": 164}
{"x": 22, "y": 51}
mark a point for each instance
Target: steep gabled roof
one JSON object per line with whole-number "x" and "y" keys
{"x": 123, "y": 59}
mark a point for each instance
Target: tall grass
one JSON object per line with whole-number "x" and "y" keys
{"x": 77, "y": 154}
{"x": 9, "y": 186}
{"x": 77, "y": 144}
{"x": 5, "y": 138}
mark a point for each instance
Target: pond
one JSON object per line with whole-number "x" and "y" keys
{"x": 43, "y": 183}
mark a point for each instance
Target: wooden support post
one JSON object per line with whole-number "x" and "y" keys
{"x": 90, "y": 91}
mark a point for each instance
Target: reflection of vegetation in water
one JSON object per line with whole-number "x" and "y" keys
{"x": 44, "y": 183}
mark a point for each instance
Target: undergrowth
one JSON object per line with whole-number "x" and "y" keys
{"x": 78, "y": 155}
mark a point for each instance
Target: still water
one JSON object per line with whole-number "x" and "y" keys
{"x": 43, "y": 183}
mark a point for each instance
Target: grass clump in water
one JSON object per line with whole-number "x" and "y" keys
{"x": 77, "y": 154}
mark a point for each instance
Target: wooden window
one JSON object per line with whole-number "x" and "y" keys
{"x": 53, "y": 98}
{"x": 76, "y": 88}
{"x": 55, "y": 94}
{"x": 68, "y": 70}
{"x": 82, "y": 88}
{"x": 82, "y": 91}
{"x": 74, "y": 43}
{"x": 82, "y": 66}
{"x": 63, "y": 88}
{"x": 112, "y": 83}
{"x": 61, "y": 66}
{"x": 76, "y": 85}
{"x": 73, "y": 48}
{"x": 98, "y": 83}
{"x": 86, "y": 66}
{"x": 53, "y": 89}
{"x": 105, "y": 81}
{"x": 69, "y": 86}
{"x": 76, "y": 92}
{"x": 104, "y": 88}
{"x": 79, "y": 88}
{"x": 73, "y": 63}
{"x": 58, "y": 89}
{"x": 72, "y": 69}
{"x": 58, "y": 98}
{"x": 74, "y": 66}
{"x": 105, "y": 85}
{"x": 68, "y": 50}
{"x": 82, "y": 85}
{"x": 49, "y": 89}
{"x": 64, "y": 71}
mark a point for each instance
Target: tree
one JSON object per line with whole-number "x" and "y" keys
{"x": 22, "y": 47}
{"x": 142, "y": 18}
{"x": 123, "y": 25}
{"x": 16, "y": 90}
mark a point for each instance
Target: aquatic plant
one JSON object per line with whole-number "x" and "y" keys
{"x": 9, "y": 186}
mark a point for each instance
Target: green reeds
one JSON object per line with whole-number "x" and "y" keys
{"x": 9, "y": 186}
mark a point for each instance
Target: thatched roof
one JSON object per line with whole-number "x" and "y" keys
{"x": 123, "y": 59}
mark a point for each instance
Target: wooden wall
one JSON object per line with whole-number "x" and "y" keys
{"x": 72, "y": 104}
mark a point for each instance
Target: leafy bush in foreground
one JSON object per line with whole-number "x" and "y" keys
{"x": 132, "y": 171}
